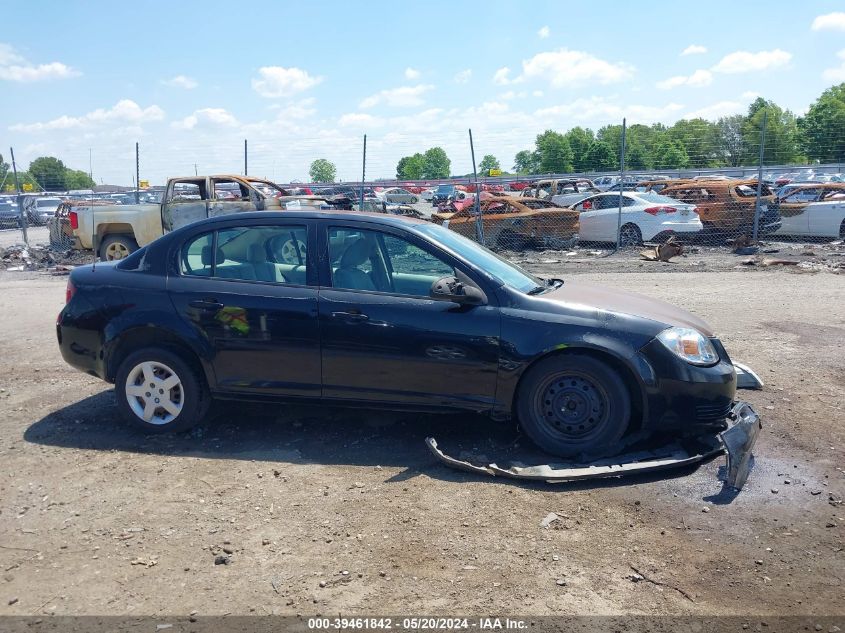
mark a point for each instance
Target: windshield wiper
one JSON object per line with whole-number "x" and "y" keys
{"x": 536, "y": 290}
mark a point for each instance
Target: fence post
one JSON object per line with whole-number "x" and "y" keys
{"x": 137, "y": 174}
{"x": 759, "y": 177}
{"x": 621, "y": 186}
{"x": 246, "y": 170}
{"x": 21, "y": 213}
{"x": 363, "y": 173}
{"x": 479, "y": 225}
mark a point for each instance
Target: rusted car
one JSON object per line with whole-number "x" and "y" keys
{"x": 728, "y": 206}
{"x": 564, "y": 192}
{"x": 513, "y": 223}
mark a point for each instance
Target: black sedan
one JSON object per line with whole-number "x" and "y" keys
{"x": 387, "y": 311}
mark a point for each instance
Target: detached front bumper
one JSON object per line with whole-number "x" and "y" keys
{"x": 736, "y": 442}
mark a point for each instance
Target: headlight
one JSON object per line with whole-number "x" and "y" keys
{"x": 690, "y": 345}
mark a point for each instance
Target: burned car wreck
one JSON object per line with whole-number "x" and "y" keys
{"x": 379, "y": 310}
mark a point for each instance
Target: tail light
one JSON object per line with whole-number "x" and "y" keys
{"x": 660, "y": 209}
{"x": 74, "y": 219}
{"x": 69, "y": 291}
{"x": 696, "y": 211}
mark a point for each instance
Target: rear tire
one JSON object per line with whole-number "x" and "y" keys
{"x": 571, "y": 405}
{"x": 117, "y": 247}
{"x": 159, "y": 392}
{"x": 510, "y": 241}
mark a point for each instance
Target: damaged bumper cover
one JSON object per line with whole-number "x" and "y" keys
{"x": 737, "y": 442}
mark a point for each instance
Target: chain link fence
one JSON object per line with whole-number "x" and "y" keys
{"x": 625, "y": 187}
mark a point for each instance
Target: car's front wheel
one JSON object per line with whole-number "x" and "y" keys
{"x": 572, "y": 405}
{"x": 158, "y": 391}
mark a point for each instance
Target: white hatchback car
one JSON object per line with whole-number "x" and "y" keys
{"x": 645, "y": 216}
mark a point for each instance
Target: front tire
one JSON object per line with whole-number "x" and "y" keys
{"x": 159, "y": 392}
{"x": 630, "y": 235}
{"x": 571, "y": 405}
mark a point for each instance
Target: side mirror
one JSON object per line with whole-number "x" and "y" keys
{"x": 451, "y": 289}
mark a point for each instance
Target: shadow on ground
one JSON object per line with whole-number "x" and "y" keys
{"x": 298, "y": 434}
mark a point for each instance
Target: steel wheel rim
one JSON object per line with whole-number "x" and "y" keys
{"x": 154, "y": 393}
{"x": 572, "y": 406}
{"x": 290, "y": 254}
{"x": 116, "y": 250}
{"x": 628, "y": 236}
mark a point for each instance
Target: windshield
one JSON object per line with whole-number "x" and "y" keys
{"x": 445, "y": 188}
{"x": 504, "y": 271}
{"x": 48, "y": 202}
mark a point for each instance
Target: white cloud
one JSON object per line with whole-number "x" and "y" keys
{"x": 181, "y": 81}
{"x": 464, "y": 76}
{"x": 124, "y": 111}
{"x": 694, "y": 49}
{"x": 565, "y": 68}
{"x": 500, "y": 77}
{"x": 829, "y": 22}
{"x": 537, "y": 93}
{"x": 717, "y": 110}
{"x": 836, "y": 75}
{"x": 403, "y": 97}
{"x": 699, "y": 79}
{"x": 601, "y": 110}
{"x": 277, "y": 81}
{"x": 412, "y": 73}
{"x": 744, "y": 61}
{"x": 544, "y": 32}
{"x": 361, "y": 120}
{"x": 13, "y": 67}
{"x": 214, "y": 117}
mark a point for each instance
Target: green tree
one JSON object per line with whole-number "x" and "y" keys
{"x": 411, "y": 167}
{"x": 822, "y": 130}
{"x": 554, "y": 152}
{"x": 49, "y": 172}
{"x": 636, "y": 157}
{"x": 78, "y": 179}
{"x": 579, "y": 141}
{"x": 670, "y": 154}
{"x": 700, "y": 140}
{"x": 600, "y": 157}
{"x": 322, "y": 170}
{"x": 436, "y": 163}
{"x": 4, "y": 168}
{"x": 487, "y": 163}
{"x": 781, "y": 143}
{"x": 526, "y": 162}
{"x": 731, "y": 143}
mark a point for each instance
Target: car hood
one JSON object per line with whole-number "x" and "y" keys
{"x": 620, "y": 301}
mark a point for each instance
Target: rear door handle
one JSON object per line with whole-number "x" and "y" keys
{"x": 206, "y": 304}
{"x": 352, "y": 315}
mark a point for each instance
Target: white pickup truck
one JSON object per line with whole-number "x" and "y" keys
{"x": 115, "y": 231}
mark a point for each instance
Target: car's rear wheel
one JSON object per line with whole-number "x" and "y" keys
{"x": 117, "y": 247}
{"x": 630, "y": 235}
{"x": 572, "y": 405}
{"x": 159, "y": 392}
{"x": 842, "y": 229}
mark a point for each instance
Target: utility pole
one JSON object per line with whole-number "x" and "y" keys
{"x": 621, "y": 187}
{"x": 479, "y": 225}
{"x": 759, "y": 177}
{"x": 21, "y": 214}
{"x": 363, "y": 174}
{"x": 137, "y": 174}
{"x": 246, "y": 170}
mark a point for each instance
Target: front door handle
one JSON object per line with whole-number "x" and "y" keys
{"x": 352, "y": 315}
{"x": 206, "y": 304}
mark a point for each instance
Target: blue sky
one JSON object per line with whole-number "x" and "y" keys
{"x": 189, "y": 80}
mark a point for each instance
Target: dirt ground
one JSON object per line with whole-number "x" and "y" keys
{"x": 319, "y": 510}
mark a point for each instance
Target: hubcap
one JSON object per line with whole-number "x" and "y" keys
{"x": 573, "y": 406}
{"x": 116, "y": 251}
{"x": 629, "y": 237}
{"x": 154, "y": 392}
{"x": 289, "y": 251}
